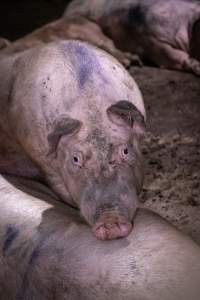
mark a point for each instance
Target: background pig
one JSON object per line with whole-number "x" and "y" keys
{"x": 48, "y": 252}
{"x": 78, "y": 116}
{"x": 166, "y": 33}
{"x": 68, "y": 29}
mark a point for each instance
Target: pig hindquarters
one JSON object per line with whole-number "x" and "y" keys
{"x": 78, "y": 116}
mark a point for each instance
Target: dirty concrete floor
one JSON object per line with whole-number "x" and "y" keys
{"x": 172, "y": 146}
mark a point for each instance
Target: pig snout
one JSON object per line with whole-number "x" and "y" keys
{"x": 112, "y": 226}
{"x": 110, "y": 215}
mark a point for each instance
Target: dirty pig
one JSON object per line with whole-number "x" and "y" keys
{"x": 79, "y": 117}
{"x": 165, "y": 33}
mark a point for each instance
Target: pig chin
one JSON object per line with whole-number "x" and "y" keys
{"x": 109, "y": 222}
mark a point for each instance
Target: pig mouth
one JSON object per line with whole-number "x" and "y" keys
{"x": 112, "y": 226}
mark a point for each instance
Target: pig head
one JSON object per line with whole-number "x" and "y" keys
{"x": 101, "y": 167}
{"x": 82, "y": 122}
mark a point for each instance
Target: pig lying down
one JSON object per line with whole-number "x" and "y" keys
{"x": 68, "y": 29}
{"x": 71, "y": 114}
{"x": 166, "y": 33}
{"x": 47, "y": 252}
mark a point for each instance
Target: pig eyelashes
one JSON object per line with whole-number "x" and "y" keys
{"x": 124, "y": 112}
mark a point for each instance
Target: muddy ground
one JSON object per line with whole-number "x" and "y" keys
{"x": 172, "y": 146}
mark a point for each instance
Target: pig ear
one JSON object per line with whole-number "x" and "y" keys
{"x": 124, "y": 113}
{"x": 63, "y": 126}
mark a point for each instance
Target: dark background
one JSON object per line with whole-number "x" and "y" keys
{"x": 20, "y": 17}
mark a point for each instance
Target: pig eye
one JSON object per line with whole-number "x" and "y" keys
{"x": 125, "y": 151}
{"x": 77, "y": 159}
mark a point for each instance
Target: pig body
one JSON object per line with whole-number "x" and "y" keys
{"x": 48, "y": 252}
{"x": 67, "y": 29}
{"x": 71, "y": 114}
{"x": 165, "y": 33}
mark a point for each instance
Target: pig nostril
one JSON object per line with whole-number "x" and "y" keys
{"x": 109, "y": 230}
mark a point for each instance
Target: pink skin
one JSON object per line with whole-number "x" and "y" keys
{"x": 104, "y": 183}
{"x": 111, "y": 226}
{"x": 84, "y": 141}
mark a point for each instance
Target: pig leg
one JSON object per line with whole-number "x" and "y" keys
{"x": 168, "y": 57}
{"x": 125, "y": 58}
{"x": 102, "y": 41}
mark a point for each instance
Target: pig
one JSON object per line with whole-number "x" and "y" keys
{"x": 69, "y": 29}
{"x": 165, "y": 33}
{"x": 71, "y": 115}
{"x": 47, "y": 252}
